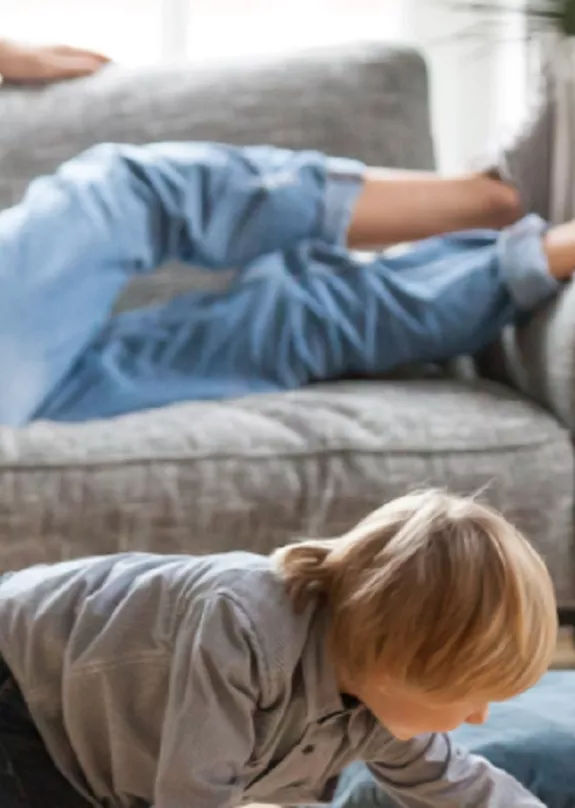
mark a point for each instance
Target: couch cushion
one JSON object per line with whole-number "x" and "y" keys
{"x": 253, "y": 472}
{"x": 532, "y": 737}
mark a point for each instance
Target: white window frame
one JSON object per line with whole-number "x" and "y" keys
{"x": 175, "y": 27}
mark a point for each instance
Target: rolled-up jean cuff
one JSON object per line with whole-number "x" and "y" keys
{"x": 345, "y": 178}
{"x": 524, "y": 265}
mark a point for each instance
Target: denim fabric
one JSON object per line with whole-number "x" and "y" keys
{"x": 28, "y": 777}
{"x": 76, "y": 239}
{"x": 303, "y": 308}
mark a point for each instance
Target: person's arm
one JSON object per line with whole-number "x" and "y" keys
{"x": 28, "y": 64}
{"x": 208, "y": 733}
{"x": 433, "y": 771}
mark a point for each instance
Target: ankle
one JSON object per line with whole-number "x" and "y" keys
{"x": 500, "y": 200}
{"x": 559, "y": 246}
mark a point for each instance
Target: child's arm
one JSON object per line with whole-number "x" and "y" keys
{"x": 433, "y": 771}
{"x": 208, "y": 733}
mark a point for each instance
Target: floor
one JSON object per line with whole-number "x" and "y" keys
{"x": 565, "y": 655}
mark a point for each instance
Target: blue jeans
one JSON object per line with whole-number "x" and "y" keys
{"x": 302, "y": 309}
{"x": 28, "y": 777}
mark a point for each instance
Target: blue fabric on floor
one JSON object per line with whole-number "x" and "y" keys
{"x": 532, "y": 737}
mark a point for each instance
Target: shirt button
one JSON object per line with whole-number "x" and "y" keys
{"x": 308, "y": 750}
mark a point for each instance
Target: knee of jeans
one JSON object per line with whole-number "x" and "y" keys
{"x": 95, "y": 182}
{"x": 101, "y": 154}
{"x": 97, "y": 168}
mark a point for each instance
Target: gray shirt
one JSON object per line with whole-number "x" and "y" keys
{"x": 172, "y": 680}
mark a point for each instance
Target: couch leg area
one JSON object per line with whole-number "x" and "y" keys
{"x": 567, "y": 615}
{"x": 565, "y": 654}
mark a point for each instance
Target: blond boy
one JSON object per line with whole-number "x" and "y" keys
{"x": 208, "y": 682}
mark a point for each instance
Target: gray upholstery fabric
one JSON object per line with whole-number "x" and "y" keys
{"x": 363, "y": 101}
{"x": 538, "y": 358}
{"x": 252, "y": 473}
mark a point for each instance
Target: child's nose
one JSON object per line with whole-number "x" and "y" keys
{"x": 479, "y": 716}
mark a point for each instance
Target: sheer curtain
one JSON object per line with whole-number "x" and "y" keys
{"x": 143, "y": 31}
{"x": 477, "y": 70}
{"x": 479, "y": 74}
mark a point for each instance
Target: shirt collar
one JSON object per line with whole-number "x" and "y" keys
{"x": 322, "y": 693}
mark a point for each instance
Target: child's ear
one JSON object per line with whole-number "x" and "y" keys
{"x": 383, "y": 685}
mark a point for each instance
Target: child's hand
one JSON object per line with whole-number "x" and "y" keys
{"x": 45, "y": 64}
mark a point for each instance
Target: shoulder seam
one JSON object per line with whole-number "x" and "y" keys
{"x": 259, "y": 645}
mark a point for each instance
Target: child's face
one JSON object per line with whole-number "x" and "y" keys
{"x": 408, "y": 713}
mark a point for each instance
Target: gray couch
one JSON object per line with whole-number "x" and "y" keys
{"x": 252, "y": 473}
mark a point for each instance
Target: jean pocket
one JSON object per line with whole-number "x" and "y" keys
{"x": 12, "y": 794}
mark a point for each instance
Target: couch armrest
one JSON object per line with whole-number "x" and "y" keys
{"x": 364, "y": 101}
{"x": 538, "y": 358}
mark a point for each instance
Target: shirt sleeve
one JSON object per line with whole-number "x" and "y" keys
{"x": 208, "y": 732}
{"x": 433, "y": 771}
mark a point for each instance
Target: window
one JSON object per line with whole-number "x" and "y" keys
{"x": 130, "y": 30}
{"x": 144, "y": 31}
{"x": 469, "y": 99}
{"x": 241, "y": 27}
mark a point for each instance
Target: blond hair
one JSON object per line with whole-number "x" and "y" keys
{"x": 435, "y": 591}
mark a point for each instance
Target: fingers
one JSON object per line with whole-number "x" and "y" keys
{"x": 67, "y": 50}
{"x": 65, "y": 67}
{"x": 57, "y": 64}
{"x": 45, "y": 64}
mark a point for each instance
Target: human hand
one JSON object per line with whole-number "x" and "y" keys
{"x": 28, "y": 64}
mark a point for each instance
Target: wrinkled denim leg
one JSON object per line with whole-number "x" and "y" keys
{"x": 311, "y": 314}
{"x": 68, "y": 249}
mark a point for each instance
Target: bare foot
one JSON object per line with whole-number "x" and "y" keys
{"x": 502, "y": 201}
{"x": 559, "y": 245}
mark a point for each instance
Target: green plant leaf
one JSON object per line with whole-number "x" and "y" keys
{"x": 558, "y": 15}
